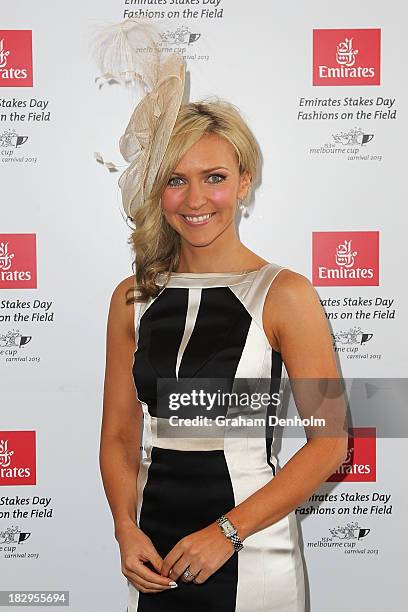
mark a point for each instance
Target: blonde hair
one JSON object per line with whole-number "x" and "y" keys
{"x": 155, "y": 243}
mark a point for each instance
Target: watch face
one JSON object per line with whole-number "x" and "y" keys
{"x": 229, "y": 529}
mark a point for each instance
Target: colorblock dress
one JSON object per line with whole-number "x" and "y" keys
{"x": 208, "y": 326}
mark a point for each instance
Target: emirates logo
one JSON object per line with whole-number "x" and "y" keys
{"x": 16, "y": 64}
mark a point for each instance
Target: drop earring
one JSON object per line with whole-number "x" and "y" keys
{"x": 243, "y": 208}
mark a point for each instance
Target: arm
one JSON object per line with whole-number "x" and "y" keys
{"x": 295, "y": 322}
{"x": 119, "y": 453}
{"x": 122, "y": 414}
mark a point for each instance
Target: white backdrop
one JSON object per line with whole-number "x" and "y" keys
{"x": 63, "y": 250}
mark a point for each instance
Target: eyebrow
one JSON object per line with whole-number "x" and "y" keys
{"x": 207, "y": 171}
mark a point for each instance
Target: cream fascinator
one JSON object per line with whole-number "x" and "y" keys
{"x": 130, "y": 53}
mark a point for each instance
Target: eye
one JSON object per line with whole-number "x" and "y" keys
{"x": 173, "y": 181}
{"x": 219, "y": 177}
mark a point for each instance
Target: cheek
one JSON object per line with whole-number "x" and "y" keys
{"x": 171, "y": 200}
{"x": 223, "y": 196}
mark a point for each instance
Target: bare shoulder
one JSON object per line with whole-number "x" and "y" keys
{"x": 296, "y": 323}
{"x": 121, "y": 310}
{"x": 290, "y": 287}
{"x": 291, "y": 297}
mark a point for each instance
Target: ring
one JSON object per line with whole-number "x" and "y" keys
{"x": 188, "y": 574}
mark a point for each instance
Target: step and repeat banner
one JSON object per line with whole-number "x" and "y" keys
{"x": 324, "y": 89}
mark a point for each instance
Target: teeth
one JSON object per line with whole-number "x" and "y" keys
{"x": 199, "y": 219}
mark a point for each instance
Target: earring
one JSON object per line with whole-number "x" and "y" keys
{"x": 243, "y": 208}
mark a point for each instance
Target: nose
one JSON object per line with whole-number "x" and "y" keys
{"x": 196, "y": 197}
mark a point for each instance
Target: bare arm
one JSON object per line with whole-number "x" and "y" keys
{"x": 119, "y": 454}
{"x": 295, "y": 323}
{"x": 122, "y": 413}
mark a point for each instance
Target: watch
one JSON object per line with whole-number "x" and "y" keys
{"x": 230, "y": 532}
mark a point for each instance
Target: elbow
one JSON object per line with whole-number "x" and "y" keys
{"x": 332, "y": 452}
{"x": 340, "y": 452}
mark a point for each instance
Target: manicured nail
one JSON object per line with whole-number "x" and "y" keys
{"x": 173, "y": 584}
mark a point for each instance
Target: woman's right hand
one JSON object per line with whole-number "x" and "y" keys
{"x": 136, "y": 548}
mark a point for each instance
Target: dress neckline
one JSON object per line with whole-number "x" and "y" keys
{"x": 213, "y": 274}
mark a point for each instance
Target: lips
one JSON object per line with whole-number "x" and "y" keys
{"x": 197, "y": 219}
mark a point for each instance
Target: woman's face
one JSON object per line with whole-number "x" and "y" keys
{"x": 200, "y": 199}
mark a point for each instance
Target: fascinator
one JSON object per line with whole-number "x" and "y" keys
{"x": 130, "y": 53}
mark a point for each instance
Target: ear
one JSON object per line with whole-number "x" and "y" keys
{"x": 244, "y": 184}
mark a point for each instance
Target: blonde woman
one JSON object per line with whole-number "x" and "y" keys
{"x": 206, "y": 523}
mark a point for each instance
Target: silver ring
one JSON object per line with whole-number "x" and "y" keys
{"x": 188, "y": 574}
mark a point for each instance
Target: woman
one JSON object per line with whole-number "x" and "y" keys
{"x": 221, "y": 312}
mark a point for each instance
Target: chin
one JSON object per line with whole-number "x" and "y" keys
{"x": 198, "y": 242}
{"x": 204, "y": 235}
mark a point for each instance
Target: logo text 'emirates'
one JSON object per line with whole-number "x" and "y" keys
{"x": 17, "y": 458}
{"x": 18, "y": 267}
{"x": 346, "y": 57}
{"x": 345, "y": 258}
{"x": 16, "y": 65}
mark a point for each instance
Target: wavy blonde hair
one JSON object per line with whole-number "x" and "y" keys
{"x": 155, "y": 243}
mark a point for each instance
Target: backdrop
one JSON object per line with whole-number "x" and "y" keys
{"x": 323, "y": 87}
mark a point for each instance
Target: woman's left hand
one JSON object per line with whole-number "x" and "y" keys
{"x": 203, "y": 552}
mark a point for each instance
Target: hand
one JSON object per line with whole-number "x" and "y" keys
{"x": 136, "y": 548}
{"x": 203, "y": 552}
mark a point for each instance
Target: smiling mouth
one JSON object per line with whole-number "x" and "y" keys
{"x": 197, "y": 219}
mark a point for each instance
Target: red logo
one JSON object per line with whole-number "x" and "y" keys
{"x": 346, "y": 57}
{"x": 345, "y": 259}
{"x": 17, "y": 458}
{"x": 18, "y": 267}
{"x": 16, "y": 58}
{"x": 360, "y": 464}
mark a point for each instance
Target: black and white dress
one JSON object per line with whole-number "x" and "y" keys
{"x": 209, "y": 326}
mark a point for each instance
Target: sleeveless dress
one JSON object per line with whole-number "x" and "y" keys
{"x": 208, "y": 326}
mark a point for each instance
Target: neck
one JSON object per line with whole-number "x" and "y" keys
{"x": 235, "y": 258}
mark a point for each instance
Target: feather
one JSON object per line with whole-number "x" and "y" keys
{"x": 130, "y": 53}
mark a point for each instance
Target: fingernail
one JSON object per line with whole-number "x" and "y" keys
{"x": 173, "y": 584}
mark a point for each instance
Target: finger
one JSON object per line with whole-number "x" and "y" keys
{"x": 169, "y": 562}
{"x": 144, "y": 585}
{"x": 191, "y": 571}
{"x": 148, "y": 575}
{"x": 179, "y": 568}
{"x": 202, "y": 577}
{"x": 156, "y": 560}
{"x": 148, "y": 587}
